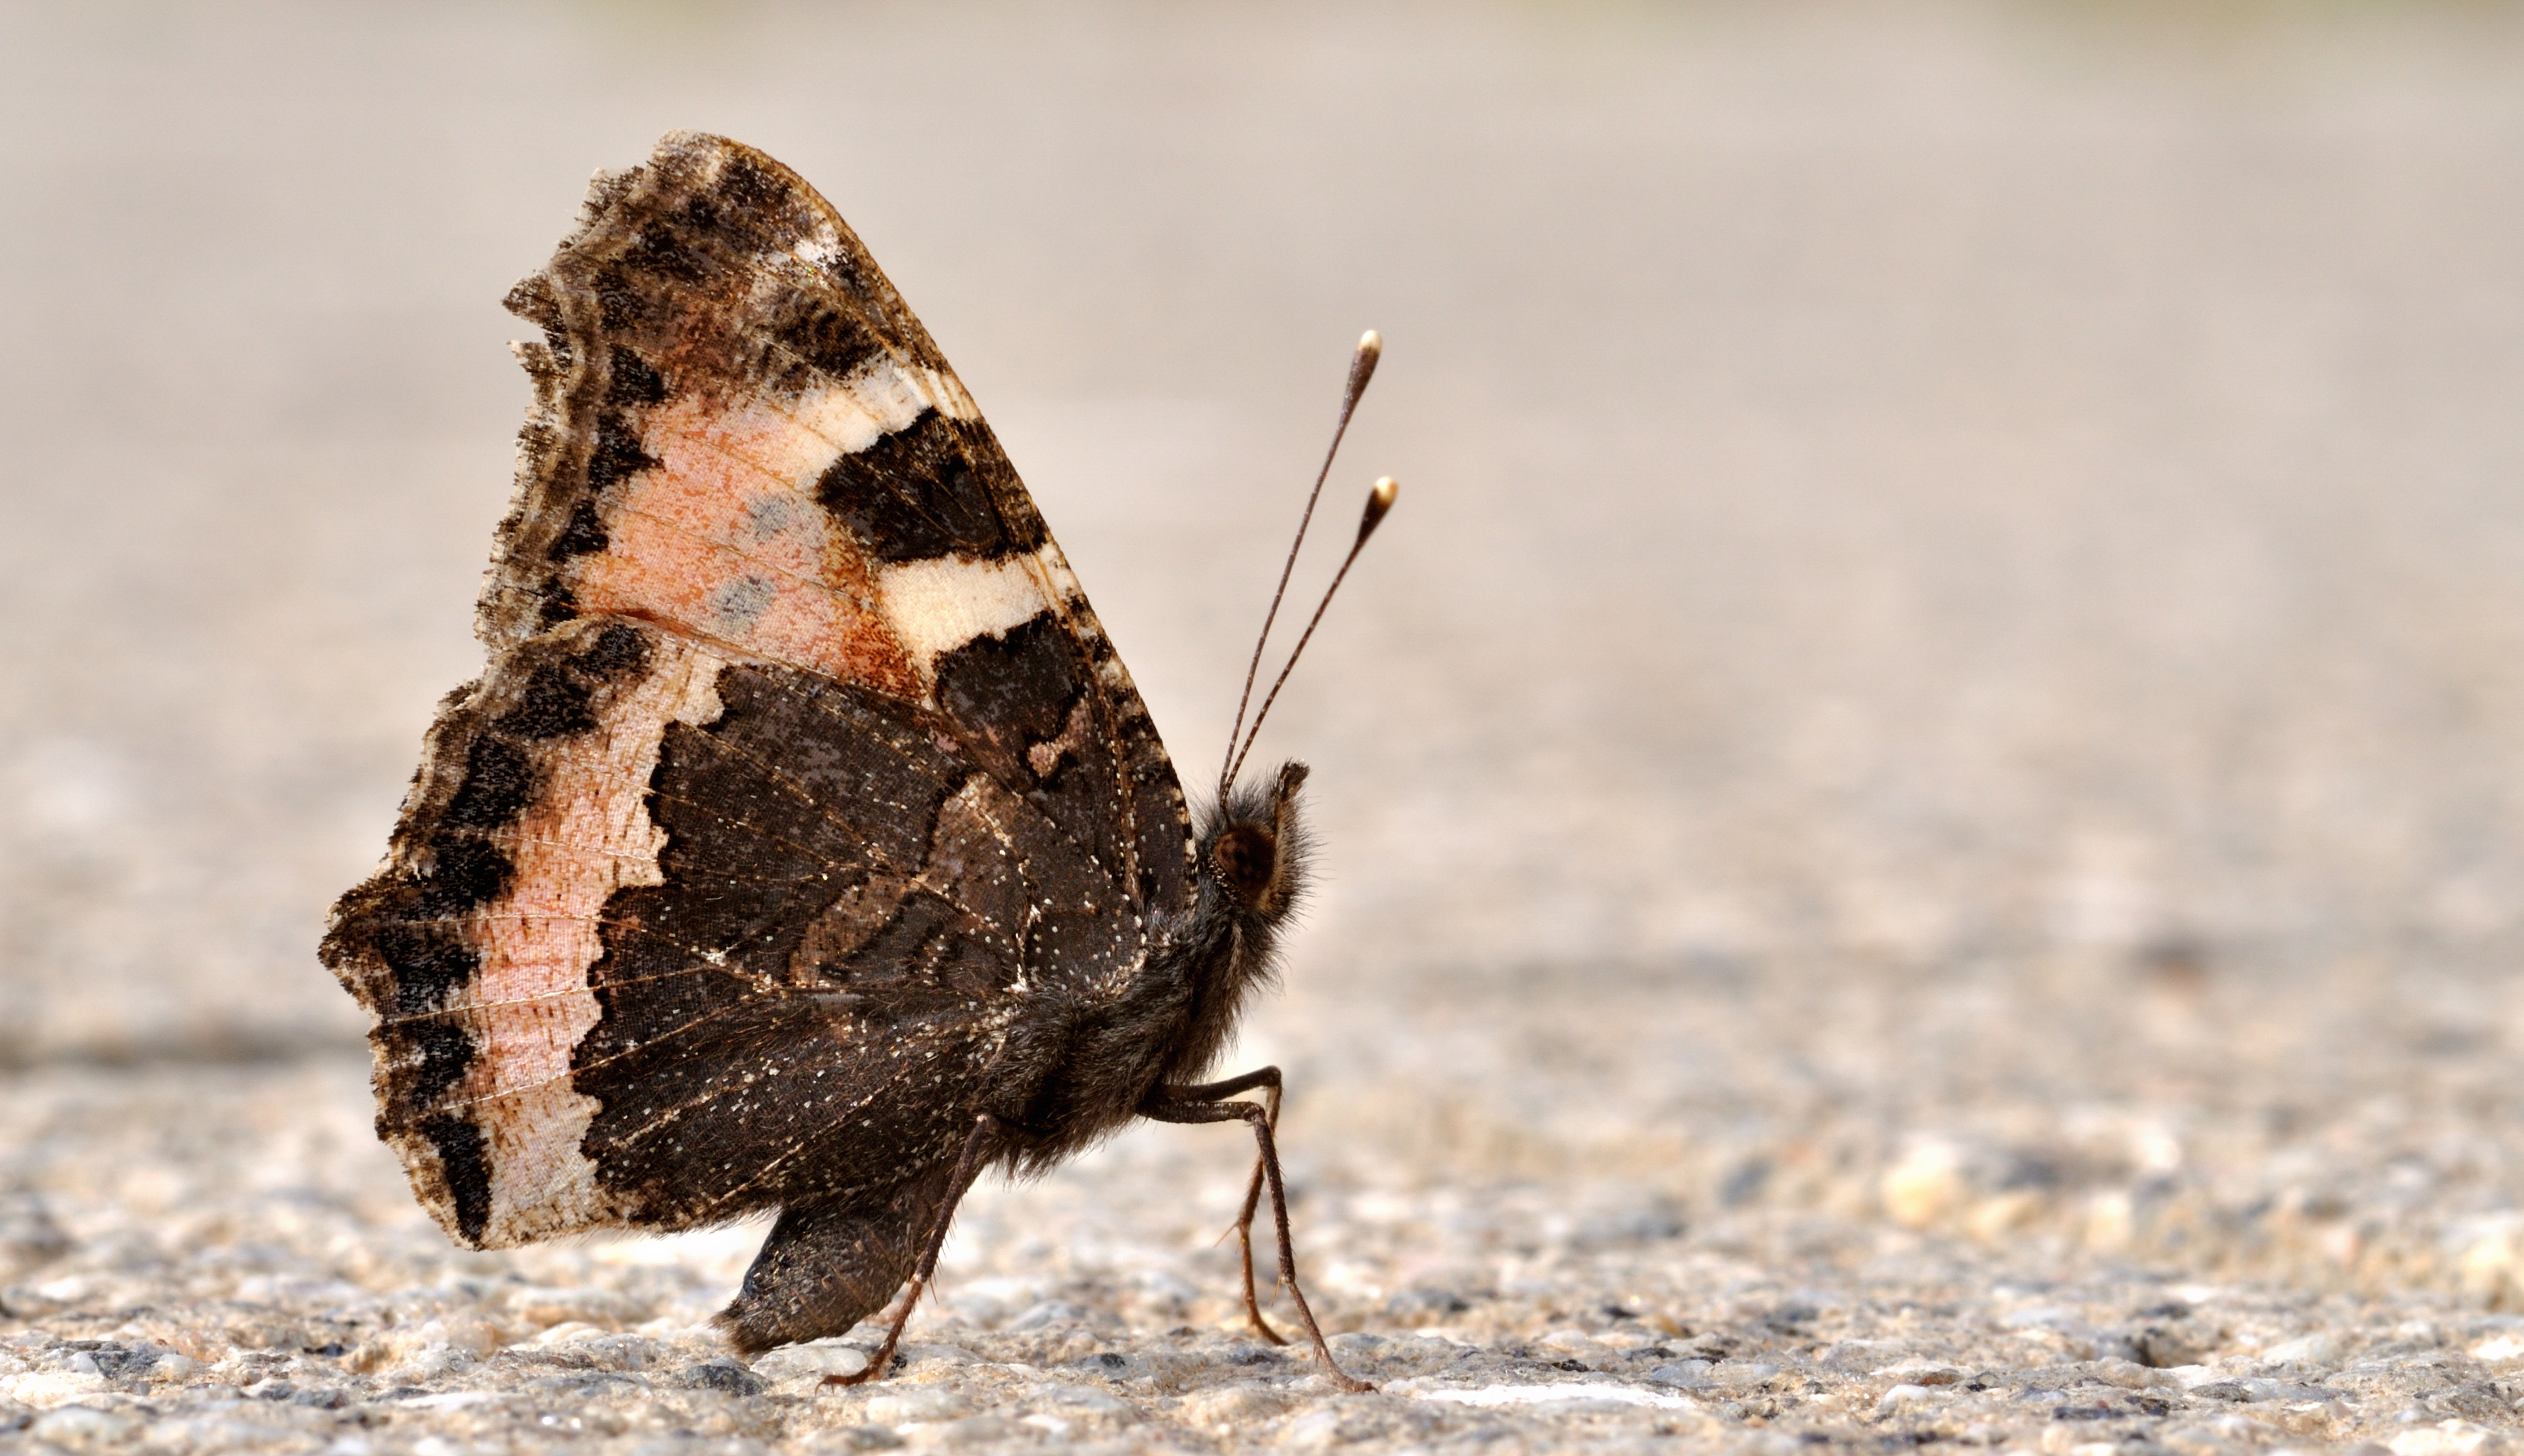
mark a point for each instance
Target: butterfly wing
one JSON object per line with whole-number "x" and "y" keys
{"x": 803, "y": 785}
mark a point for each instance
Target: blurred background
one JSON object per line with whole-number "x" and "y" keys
{"x": 1953, "y": 647}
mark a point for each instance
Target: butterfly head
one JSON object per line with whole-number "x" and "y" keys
{"x": 1251, "y": 849}
{"x": 1254, "y": 850}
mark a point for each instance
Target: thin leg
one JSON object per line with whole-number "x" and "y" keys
{"x": 1245, "y": 1224}
{"x": 1216, "y": 1092}
{"x": 1268, "y": 1079}
{"x": 1162, "y": 1107}
{"x": 968, "y": 1166}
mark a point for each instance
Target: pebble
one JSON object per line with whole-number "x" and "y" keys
{"x": 725, "y": 1376}
{"x": 1243, "y": 1403}
{"x": 81, "y": 1427}
{"x": 2322, "y": 1347}
{"x": 2449, "y": 1439}
{"x": 902, "y": 1405}
{"x": 824, "y": 1357}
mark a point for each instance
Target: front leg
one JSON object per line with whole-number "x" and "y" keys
{"x": 1267, "y": 1079}
{"x": 1188, "y": 1104}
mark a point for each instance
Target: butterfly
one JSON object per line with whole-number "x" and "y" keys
{"x": 805, "y": 845}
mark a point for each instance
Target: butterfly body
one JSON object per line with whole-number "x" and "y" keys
{"x": 805, "y": 845}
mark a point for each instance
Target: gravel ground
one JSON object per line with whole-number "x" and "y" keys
{"x": 1923, "y": 800}
{"x": 2192, "y": 1225}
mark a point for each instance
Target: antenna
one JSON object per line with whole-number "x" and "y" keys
{"x": 1379, "y": 499}
{"x": 1361, "y": 367}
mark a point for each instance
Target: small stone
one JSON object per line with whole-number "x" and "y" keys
{"x": 430, "y": 1362}
{"x": 990, "y": 1302}
{"x": 82, "y": 1426}
{"x": 1861, "y": 1356}
{"x": 44, "y": 1388}
{"x": 172, "y": 1366}
{"x": 542, "y": 1306}
{"x": 823, "y": 1357}
{"x": 723, "y": 1374}
{"x": 1924, "y": 1185}
{"x": 1159, "y": 1284}
{"x": 912, "y": 1405}
{"x": 475, "y": 1337}
{"x": 1427, "y": 1303}
{"x": 2129, "y": 1376}
{"x": 1242, "y": 1404}
{"x": 1690, "y": 1375}
{"x": 222, "y": 1433}
{"x": 2167, "y": 1349}
{"x": 1043, "y": 1316}
{"x": 1901, "y": 1395}
{"x": 853, "y": 1438}
{"x": 1994, "y": 1218}
{"x": 1316, "y": 1427}
{"x": 622, "y": 1351}
{"x": 969, "y": 1433}
{"x": 1921, "y": 1372}
{"x": 2499, "y": 1349}
{"x": 2322, "y": 1348}
{"x": 1077, "y": 1402}
{"x": 2449, "y": 1439}
{"x": 2041, "y": 1317}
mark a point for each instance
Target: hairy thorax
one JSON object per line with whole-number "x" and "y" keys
{"x": 1180, "y": 1009}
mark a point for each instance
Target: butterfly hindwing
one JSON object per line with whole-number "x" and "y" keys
{"x": 802, "y": 788}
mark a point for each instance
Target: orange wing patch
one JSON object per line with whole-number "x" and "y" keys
{"x": 724, "y": 540}
{"x": 588, "y": 835}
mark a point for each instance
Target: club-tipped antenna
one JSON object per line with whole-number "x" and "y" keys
{"x": 1361, "y": 367}
{"x": 1379, "y": 499}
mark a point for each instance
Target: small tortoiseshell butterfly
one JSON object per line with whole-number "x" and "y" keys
{"x": 804, "y": 843}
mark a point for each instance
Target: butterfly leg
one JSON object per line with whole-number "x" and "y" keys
{"x": 1176, "y": 1105}
{"x": 1268, "y": 1079}
{"x": 968, "y": 1166}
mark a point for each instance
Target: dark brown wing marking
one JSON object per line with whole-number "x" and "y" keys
{"x": 866, "y": 961}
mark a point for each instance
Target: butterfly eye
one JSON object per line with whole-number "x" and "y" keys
{"x": 1245, "y": 859}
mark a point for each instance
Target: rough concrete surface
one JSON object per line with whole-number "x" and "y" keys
{"x": 1922, "y": 801}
